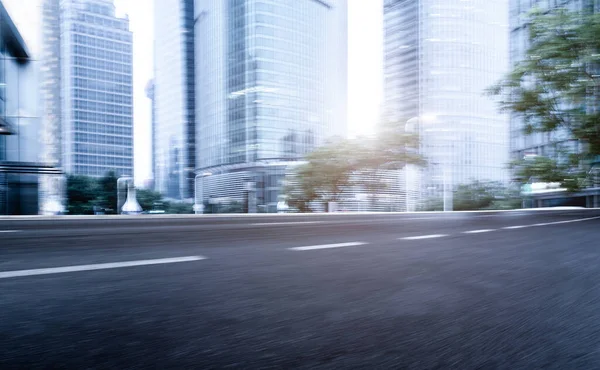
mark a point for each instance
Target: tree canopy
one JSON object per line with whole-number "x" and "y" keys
{"x": 557, "y": 85}
{"x": 479, "y": 195}
{"x": 332, "y": 168}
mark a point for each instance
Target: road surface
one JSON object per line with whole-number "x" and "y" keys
{"x": 512, "y": 290}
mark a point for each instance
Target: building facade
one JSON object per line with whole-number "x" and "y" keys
{"x": 440, "y": 57}
{"x": 86, "y": 87}
{"x": 271, "y": 82}
{"x": 20, "y": 154}
{"x": 174, "y": 123}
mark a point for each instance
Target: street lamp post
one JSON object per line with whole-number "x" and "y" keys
{"x": 199, "y": 205}
{"x": 442, "y": 144}
{"x": 448, "y": 196}
{"x": 413, "y": 179}
{"x": 410, "y": 175}
{"x": 122, "y": 187}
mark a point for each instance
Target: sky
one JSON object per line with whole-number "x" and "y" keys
{"x": 365, "y": 61}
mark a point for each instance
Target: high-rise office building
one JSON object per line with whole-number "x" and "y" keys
{"x": 174, "y": 124}
{"x": 271, "y": 80}
{"x": 87, "y": 87}
{"x": 543, "y": 144}
{"x": 440, "y": 56}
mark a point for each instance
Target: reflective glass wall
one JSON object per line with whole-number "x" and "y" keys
{"x": 96, "y": 89}
{"x": 440, "y": 56}
{"x": 271, "y": 79}
{"x": 174, "y": 101}
{"x": 19, "y": 117}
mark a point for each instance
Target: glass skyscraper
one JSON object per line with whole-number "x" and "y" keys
{"x": 87, "y": 87}
{"x": 440, "y": 56}
{"x": 174, "y": 124}
{"x": 271, "y": 80}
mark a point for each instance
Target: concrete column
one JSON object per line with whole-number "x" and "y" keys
{"x": 596, "y": 201}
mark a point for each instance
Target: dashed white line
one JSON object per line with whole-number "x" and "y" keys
{"x": 478, "y": 231}
{"x": 424, "y": 237}
{"x": 328, "y": 246}
{"x": 515, "y": 227}
{"x": 99, "y": 266}
{"x": 10, "y": 231}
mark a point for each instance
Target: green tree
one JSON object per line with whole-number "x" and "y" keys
{"x": 392, "y": 149}
{"x": 82, "y": 194}
{"x": 179, "y": 208}
{"x": 108, "y": 191}
{"x": 148, "y": 199}
{"x": 432, "y": 205}
{"x": 545, "y": 169}
{"x": 329, "y": 169}
{"x": 300, "y": 190}
{"x": 479, "y": 195}
{"x": 556, "y": 87}
{"x": 475, "y": 196}
{"x": 333, "y": 168}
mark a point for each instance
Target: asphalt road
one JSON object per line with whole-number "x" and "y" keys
{"x": 506, "y": 290}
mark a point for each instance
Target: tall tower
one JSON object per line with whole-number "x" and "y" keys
{"x": 174, "y": 123}
{"x": 440, "y": 56}
{"x": 271, "y": 82}
{"x": 86, "y": 87}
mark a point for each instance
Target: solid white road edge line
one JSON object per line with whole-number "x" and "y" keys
{"x": 99, "y": 266}
{"x": 423, "y": 237}
{"x": 327, "y": 246}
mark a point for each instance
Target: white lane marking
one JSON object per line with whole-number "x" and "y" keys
{"x": 10, "y": 231}
{"x": 567, "y": 221}
{"x": 576, "y": 220}
{"x": 287, "y": 223}
{"x": 550, "y": 223}
{"x": 337, "y": 222}
{"x": 423, "y": 237}
{"x": 478, "y": 231}
{"x": 99, "y": 266}
{"x": 327, "y": 246}
{"x": 417, "y": 218}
